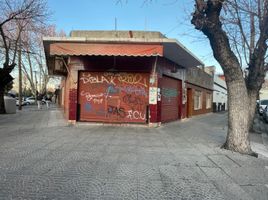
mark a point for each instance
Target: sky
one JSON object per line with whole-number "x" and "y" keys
{"x": 170, "y": 17}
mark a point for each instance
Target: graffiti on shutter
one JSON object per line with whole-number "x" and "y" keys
{"x": 113, "y": 97}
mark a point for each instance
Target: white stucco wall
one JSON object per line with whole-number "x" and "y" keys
{"x": 264, "y": 93}
{"x": 220, "y": 91}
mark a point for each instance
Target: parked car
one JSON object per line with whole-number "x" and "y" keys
{"x": 265, "y": 114}
{"x": 30, "y": 100}
{"x": 262, "y": 105}
{"x": 23, "y": 102}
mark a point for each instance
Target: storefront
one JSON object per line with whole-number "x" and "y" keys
{"x": 121, "y": 79}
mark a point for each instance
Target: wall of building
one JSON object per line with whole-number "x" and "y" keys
{"x": 263, "y": 94}
{"x": 156, "y": 67}
{"x": 204, "y": 91}
{"x": 198, "y": 79}
{"x": 117, "y": 34}
{"x": 220, "y": 94}
{"x": 109, "y": 64}
{"x": 167, "y": 68}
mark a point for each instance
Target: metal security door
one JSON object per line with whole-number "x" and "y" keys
{"x": 171, "y": 94}
{"x": 113, "y": 97}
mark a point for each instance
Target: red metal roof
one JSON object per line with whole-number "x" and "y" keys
{"x": 89, "y": 49}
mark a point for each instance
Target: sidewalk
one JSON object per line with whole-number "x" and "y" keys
{"x": 32, "y": 117}
{"x": 41, "y": 157}
{"x": 259, "y": 140}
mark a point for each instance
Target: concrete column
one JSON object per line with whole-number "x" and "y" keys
{"x": 73, "y": 95}
{"x": 154, "y": 102}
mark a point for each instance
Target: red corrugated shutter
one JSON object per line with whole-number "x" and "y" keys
{"x": 170, "y": 101}
{"x": 113, "y": 97}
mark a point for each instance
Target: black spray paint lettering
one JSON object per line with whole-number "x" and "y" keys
{"x": 116, "y": 111}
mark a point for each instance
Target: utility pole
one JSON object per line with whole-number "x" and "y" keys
{"x": 20, "y": 75}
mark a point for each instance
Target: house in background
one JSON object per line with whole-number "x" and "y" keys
{"x": 263, "y": 94}
{"x": 127, "y": 77}
{"x": 220, "y": 95}
{"x": 199, "y": 89}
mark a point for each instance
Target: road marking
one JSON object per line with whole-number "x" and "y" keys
{"x": 266, "y": 167}
{"x": 266, "y": 185}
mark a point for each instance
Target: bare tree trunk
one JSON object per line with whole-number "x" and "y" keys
{"x": 238, "y": 118}
{"x": 206, "y": 18}
{"x": 2, "y": 102}
{"x": 252, "y": 97}
{"x": 5, "y": 79}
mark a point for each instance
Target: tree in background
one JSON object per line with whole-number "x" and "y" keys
{"x": 15, "y": 17}
{"x": 34, "y": 58}
{"x": 238, "y": 33}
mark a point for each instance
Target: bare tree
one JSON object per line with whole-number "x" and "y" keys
{"x": 34, "y": 58}
{"x": 15, "y": 16}
{"x": 238, "y": 33}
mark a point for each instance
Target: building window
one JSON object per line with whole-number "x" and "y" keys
{"x": 197, "y": 100}
{"x": 208, "y": 100}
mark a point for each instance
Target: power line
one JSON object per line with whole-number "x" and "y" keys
{"x": 172, "y": 29}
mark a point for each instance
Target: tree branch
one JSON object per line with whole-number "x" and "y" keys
{"x": 5, "y": 46}
{"x": 206, "y": 18}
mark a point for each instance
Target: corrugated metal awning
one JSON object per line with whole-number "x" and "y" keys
{"x": 94, "y": 49}
{"x": 171, "y": 49}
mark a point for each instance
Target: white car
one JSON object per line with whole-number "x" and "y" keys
{"x": 23, "y": 102}
{"x": 262, "y": 105}
{"x": 30, "y": 100}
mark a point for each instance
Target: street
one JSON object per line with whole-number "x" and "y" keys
{"x": 42, "y": 157}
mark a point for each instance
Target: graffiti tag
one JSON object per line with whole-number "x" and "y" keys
{"x": 169, "y": 92}
{"x": 97, "y": 79}
{"x": 120, "y": 112}
{"x": 135, "y": 115}
{"x": 110, "y": 78}
{"x": 96, "y": 98}
{"x": 134, "y": 79}
{"x": 137, "y": 90}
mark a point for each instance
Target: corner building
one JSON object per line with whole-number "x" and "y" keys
{"x": 126, "y": 77}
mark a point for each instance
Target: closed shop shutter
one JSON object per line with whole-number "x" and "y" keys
{"x": 170, "y": 101}
{"x": 113, "y": 97}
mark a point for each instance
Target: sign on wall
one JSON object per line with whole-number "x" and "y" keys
{"x": 153, "y": 95}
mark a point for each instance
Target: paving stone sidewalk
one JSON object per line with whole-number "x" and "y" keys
{"x": 41, "y": 157}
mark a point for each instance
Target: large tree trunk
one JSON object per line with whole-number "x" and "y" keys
{"x": 252, "y": 97}
{"x": 238, "y": 117}
{"x": 5, "y": 79}
{"x": 2, "y": 102}
{"x": 242, "y": 93}
{"x": 206, "y": 18}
